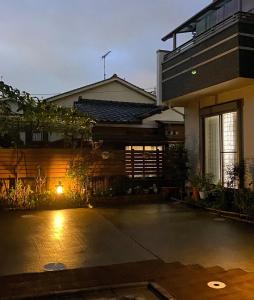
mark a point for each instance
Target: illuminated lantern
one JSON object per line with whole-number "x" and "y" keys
{"x": 59, "y": 188}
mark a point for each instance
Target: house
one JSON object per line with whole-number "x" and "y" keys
{"x": 211, "y": 75}
{"x": 131, "y": 128}
{"x": 127, "y": 119}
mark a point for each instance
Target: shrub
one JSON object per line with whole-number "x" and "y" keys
{"x": 20, "y": 196}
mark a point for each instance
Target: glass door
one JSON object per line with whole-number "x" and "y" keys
{"x": 221, "y": 145}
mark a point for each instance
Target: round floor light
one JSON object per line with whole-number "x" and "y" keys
{"x": 54, "y": 267}
{"x": 216, "y": 285}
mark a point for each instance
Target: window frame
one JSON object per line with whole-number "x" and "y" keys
{"x": 219, "y": 110}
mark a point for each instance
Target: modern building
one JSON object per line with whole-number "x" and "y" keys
{"x": 211, "y": 75}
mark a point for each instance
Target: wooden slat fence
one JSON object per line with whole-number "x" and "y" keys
{"x": 141, "y": 163}
{"x": 52, "y": 163}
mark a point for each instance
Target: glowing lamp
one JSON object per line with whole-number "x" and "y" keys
{"x": 59, "y": 188}
{"x": 194, "y": 72}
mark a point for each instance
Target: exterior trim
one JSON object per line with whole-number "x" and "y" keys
{"x": 203, "y": 63}
{"x": 217, "y": 109}
{"x": 220, "y": 108}
{"x": 202, "y": 51}
{"x": 101, "y": 83}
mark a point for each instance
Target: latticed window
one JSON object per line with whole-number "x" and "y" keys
{"x": 221, "y": 144}
{"x": 143, "y": 161}
{"x": 37, "y": 136}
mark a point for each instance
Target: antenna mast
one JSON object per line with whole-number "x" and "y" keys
{"x": 104, "y": 62}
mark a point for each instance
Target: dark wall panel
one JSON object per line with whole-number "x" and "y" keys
{"x": 212, "y": 73}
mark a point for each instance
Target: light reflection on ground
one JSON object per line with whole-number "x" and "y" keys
{"x": 58, "y": 224}
{"x": 85, "y": 237}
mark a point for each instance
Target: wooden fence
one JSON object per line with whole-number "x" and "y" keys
{"x": 143, "y": 164}
{"x": 52, "y": 164}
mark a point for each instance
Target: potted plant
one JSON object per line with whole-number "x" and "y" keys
{"x": 201, "y": 185}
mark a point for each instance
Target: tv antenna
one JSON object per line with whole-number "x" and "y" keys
{"x": 104, "y": 62}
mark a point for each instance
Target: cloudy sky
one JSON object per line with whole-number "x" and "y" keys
{"x": 51, "y": 46}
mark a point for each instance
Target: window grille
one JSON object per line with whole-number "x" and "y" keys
{"x": 221, "y": 145}
{"x": 143, "y": 161}
{"x": 37, "y": 136}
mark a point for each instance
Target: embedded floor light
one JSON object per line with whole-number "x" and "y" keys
{"x": 216, "y": 285}
{"x": 59, "y": 188}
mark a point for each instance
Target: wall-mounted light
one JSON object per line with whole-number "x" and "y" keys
{"x": 59, "y": 188}
{"x": 194, "y": 72}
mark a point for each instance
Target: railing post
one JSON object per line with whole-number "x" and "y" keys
{"x": 240, "y": 5}
{"x": 174, "y": 41}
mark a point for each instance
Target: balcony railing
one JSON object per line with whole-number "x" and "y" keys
{"x": 210, "y": 32}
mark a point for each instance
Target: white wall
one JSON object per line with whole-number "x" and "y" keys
{"x": 166, "y": 116}
{"x": 114, "y": 91}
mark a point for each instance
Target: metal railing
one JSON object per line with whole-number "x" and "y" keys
{"x": 208, "y": 33}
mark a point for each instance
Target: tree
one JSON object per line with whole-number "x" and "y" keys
{"x": 33, "y": 114}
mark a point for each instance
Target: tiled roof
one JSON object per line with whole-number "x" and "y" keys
{"x": 116, "y": 112}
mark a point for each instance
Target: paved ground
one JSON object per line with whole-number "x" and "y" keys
{"x": 177, "y": 233}
{"x": 130, "y": 244}
{"x": 97, "y": 237}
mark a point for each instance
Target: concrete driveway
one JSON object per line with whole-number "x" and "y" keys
{"x": 96, "y": 237}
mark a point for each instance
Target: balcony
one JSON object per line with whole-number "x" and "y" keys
{"x": 218, "y": 54}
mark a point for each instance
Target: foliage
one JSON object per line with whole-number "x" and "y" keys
{"x": 177, "y": 165}
{"x": 219, "y": 197}
{"x": 39, "y": 115}
{"x": 20, "y": 196}
{"x": 235, "y": 175}
{"x": 204, "y": 182}
{"x": 244, "y": 201}
{"x": 81, "y": 170}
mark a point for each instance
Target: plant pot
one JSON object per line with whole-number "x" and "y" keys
{"x": 202, "y": 195}
{"x": 195, "y": 193}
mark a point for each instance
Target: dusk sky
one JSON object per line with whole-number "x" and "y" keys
{"x": 51, "y": 46}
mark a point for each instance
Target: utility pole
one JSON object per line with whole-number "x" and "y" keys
{"x": 104, "y": 62}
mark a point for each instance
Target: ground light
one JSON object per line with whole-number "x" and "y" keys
{"x": 59, "y": 188}
{"x": 216, "y": 285}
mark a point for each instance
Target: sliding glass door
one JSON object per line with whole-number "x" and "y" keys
{"x": 221, "y": 144}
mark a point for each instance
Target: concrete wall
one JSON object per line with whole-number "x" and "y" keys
{"x": 112, "y": 91}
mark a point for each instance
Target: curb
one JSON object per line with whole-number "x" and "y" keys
{"x": 227, "y": 214}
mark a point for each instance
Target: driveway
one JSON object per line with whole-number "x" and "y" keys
{"x": 97, "y": 237}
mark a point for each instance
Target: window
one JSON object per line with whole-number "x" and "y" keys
{"x": 37, "y": 136}
{"x": 221, "y": 144}
{"x": 143, "y": 161}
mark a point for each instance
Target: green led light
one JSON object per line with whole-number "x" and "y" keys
{"x": 194, "y": 72}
